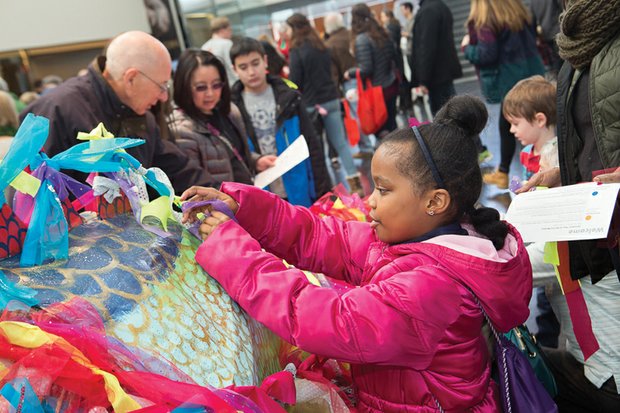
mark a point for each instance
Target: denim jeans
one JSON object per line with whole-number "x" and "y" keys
{"x": 334, "y": 129}
{"x": 365, "y": 144}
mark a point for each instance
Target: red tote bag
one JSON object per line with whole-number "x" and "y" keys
{"x": 371, "y": 109}
{"x": 350, "y": 124}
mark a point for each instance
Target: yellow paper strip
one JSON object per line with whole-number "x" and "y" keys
{"x": 158, "y": 208}
{"x": 312, "y": 278}
{"x": 26, "y": 183}
{"x": 100, "y": 132}
{"x": 550, "y": 255}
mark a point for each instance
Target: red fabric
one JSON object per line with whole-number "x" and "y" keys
{"x": 331, "y": 373}
{"x": 71, "y": 212}
{"x": 119, "y": 206}
{"x": 279, "y": 386}
{"x": 530, "y": 162}
{"x": 52, "y": 364}
{"x": 12, "y": 233}
{"x": 350, "y": 124}
{"x": 371, "y": 109}
{"x": 259, "y": 397}
{"x": 324, "y": 206}
{"x": 166, "y": 392}
{"x": 410, "y": 329}
{"x": 52, "y": 371}
{"x": 577, "y": 307}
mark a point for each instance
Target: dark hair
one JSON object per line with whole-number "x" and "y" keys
{"x": 362, "y": 21}
{"x": 245, "y": 46}
{"x": 275, "y": 60}
{"x": 303, "y": 32}
{"x": 390, "y": 15}
{"x": 190, "y": 60}
{"x": 451, "y": 142}
{"x": 407, "y": 5}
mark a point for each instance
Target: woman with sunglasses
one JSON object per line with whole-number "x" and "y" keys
{"x": 209, "y": 127}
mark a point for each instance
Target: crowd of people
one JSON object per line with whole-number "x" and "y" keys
{"x": 432, "y": 263}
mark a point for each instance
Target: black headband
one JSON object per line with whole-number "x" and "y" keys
{"x": 428, "y": 157}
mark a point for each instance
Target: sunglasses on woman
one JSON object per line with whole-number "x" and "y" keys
{"x": 204, "y": 87}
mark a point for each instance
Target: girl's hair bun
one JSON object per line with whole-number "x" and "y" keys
{"x": 465, "y": 111}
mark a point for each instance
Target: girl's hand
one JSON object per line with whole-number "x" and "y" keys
{"x": 210, "y": 223}
{"x": 549, "y": 178}
{"x": 200, "y": 193}
{"x": 265, "y": 162}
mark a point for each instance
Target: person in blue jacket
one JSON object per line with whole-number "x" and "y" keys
{"x": 274, "y": 117}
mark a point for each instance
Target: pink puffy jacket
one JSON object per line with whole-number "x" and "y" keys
{"x": 408, "y": 326}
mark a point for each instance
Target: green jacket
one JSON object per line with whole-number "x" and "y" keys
{"x": 502, "y": 59}
{"x": 604, "y": 84}
{"x": 605, "y": 111}
{"x": 605, "y": 93}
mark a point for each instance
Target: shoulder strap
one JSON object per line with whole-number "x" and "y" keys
{"x": 501, "y": 347}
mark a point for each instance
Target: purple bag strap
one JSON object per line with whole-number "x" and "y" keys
{"x": 503, "y": 349}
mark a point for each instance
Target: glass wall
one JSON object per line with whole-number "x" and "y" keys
{"x": 257, "y": 17}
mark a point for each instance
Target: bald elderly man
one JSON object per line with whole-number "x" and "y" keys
{"x": 118, "y": 90}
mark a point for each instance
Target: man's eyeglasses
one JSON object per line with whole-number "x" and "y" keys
{"x": 204, "y": 87}
{"x": 163, "y": 88}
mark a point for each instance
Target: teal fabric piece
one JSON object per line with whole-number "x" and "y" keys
{"x": 26, "y": 402}
{"x": 48, "y": 231}
{"x": 30, "y": 138}
{"x": 103, "y": 155}
{"x": 10, "y": 291}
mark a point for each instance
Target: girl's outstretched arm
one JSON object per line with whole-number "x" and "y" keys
{"x": 396, "y": 321}
{"x": 327, "y": 245}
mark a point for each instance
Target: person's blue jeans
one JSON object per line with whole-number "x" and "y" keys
{"x": 334, "y": 129}
{"x": 365, "y": 145}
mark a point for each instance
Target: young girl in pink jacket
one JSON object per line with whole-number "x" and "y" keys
{"x": 409, "y": 323}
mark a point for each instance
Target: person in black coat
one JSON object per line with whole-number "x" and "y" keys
{"x": 435, "y": 63}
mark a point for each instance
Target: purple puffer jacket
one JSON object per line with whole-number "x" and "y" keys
{"x": 408, "y": 326}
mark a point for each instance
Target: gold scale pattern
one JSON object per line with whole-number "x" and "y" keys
{"x": 172, "y": 308}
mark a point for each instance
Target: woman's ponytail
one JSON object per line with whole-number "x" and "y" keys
{"x": 486, "y": 222}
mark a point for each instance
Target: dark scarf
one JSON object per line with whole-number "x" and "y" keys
{"x": 453, "y": 228}
{"x": 585, "y": 27}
